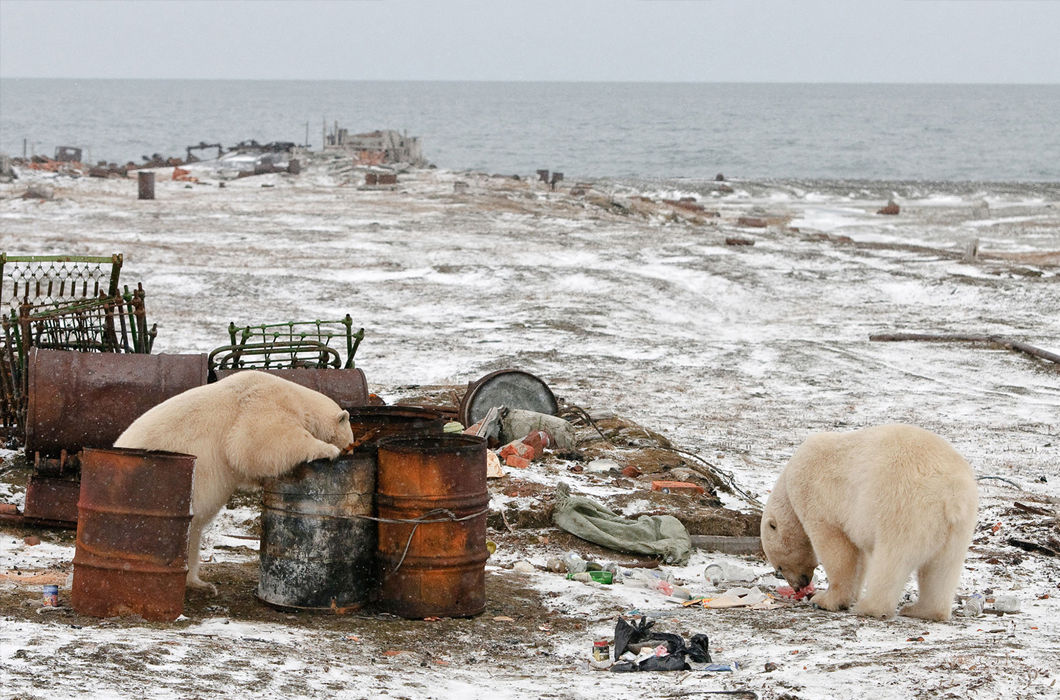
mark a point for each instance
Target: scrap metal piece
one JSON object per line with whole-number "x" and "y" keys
{"x": 51, "y": 501}
{"x": 288, "y": 345}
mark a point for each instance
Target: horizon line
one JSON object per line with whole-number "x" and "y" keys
{"x": 546, "y": 81}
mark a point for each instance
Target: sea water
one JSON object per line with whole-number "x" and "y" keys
{"x": 690, "y": 131}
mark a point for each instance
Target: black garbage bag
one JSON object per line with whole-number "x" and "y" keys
{"x": 626, "y": 634}
{"x": 675, "y": 644}
{"x": 698, "y": 649}
{"x": 624, "y": 667}
{"x": 638, "y": 633}
{"x": 670, "y": 662}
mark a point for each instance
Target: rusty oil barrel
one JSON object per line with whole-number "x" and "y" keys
{"x": 317, "y": 552}
{"x": 432, "y": 502}
{"x": 131, "y": 555}
{"x": 145, "y": 185}
{"x": 86, "y": 399}
{"x": 371, "y": 424}
{"x": 346, "y": 387}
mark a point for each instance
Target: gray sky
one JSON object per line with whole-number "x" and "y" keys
{"x": 982, "y": 41}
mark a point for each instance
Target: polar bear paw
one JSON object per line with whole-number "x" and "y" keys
{"x": 198, "y": 584}
{"x": 925, "y": 612}
{"x": 830, "y": 600}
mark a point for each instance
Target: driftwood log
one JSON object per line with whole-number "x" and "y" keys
{"x": 994, "y": 340}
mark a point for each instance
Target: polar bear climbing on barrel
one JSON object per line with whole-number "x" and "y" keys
{"x": 246, "y": 427}
{"x": 873, "y": 506}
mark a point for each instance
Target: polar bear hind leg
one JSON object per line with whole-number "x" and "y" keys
{"x": 937, "y": 580}
{"x": 887, "y": 570}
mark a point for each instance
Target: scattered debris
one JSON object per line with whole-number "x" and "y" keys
{"x": 890, "y": 209}
{"x": 378, "y": 147}
{"x": 677, "y": 487}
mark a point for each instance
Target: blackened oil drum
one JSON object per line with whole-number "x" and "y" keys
{"x": 432, "y": 502}
{"x": 131, "y": 555}
{"x": 317, "y": 550}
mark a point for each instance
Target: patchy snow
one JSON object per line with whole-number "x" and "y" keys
{"x": 734, "y": 352}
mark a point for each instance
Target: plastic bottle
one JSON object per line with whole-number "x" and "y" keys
{"x": 663, "y": 586}
{"x": 574, "y": 563}
{"x": 1007, "y": 603}
{"x": 973, "y": 605}
{"x": 714, "y": 574}
{"x": 556, "y": 565}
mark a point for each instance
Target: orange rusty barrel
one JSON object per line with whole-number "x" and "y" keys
{"x": 131, "y": 556}
{"x": 432, "y": 502}
{"x": 346, "y": 387}
{"x": 87, "y": 399}
{"x": 371, "y": 424}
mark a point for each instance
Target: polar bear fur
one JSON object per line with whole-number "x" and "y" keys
{"x": 873, "y": 505}
{"x": 246, "y": 427}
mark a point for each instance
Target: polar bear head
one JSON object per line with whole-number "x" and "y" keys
{"x": 784, "y": 540}
{"x": 333, "y": 426}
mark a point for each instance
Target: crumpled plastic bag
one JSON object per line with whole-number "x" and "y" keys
{"x": 656, "y": 535}
{"x": 738, "y": 597}
{"x": 699, "y": 649}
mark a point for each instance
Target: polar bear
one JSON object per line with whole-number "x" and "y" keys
{"x": 248, "y": 426}
{"x": 873, "y": 505}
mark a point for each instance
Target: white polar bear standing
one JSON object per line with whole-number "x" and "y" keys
{"x": 874, "y": 505}
{"x": 246, "y": 427}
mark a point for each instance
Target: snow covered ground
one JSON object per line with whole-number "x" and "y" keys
{"x": 623, "y": 304}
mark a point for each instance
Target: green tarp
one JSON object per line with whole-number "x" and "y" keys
{"x": 657, "y": 535}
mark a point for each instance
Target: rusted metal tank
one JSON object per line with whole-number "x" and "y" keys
{"x": 346, "y": 387}
{"x": 52, "y": 501}
{"x": 513, "y": 388}
{"x": 432, "y": 502}
{"x": 371, "y": 424}
{"x": 84, "y": 399}
{"x": 317, "y": 552}
{"x": 146, "y": 184}
{"x": 131, "y": 556}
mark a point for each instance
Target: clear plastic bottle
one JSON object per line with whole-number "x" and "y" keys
{"x": 574, "y": 563}
{"x": 663, "y": 586}
{"x": 973, "y": 605}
